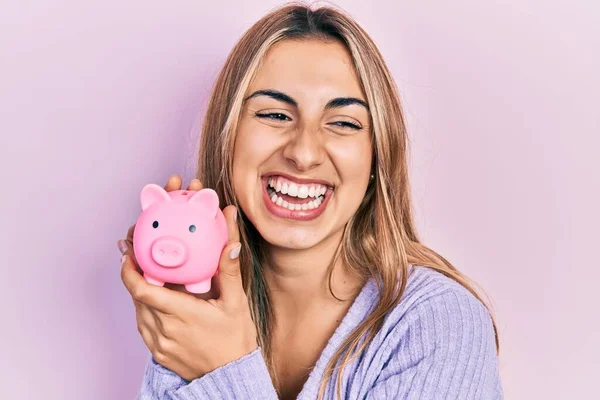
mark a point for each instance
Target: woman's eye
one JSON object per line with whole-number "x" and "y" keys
{"x": 276, "y": 116}
{"x": 283, "y": 117}
{"x": 346, "y": 124}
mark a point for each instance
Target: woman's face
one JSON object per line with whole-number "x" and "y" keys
{"x": 302, "y": 154}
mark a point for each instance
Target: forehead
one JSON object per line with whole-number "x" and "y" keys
{"x": 309, "y": 66}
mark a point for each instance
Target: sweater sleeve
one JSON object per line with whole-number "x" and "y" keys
{"x": 446, "y": 350}
{"x": 243, "y": 379}
{"x": 157, "y": 381}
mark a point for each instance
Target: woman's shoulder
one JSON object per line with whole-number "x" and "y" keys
{"x": 437, "y": 342}
{"x": 438, "y": 310}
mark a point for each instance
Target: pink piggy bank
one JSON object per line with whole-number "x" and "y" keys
{"x": 179, "y": 237}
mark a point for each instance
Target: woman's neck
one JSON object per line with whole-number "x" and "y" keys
{"x": 298, "y": 280}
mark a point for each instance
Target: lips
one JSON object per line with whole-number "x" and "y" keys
{"x": 293, "y": 198}
{"x": 298, "y": 180}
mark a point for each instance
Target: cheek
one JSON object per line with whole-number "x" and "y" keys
{"x": 244, "y": 153}
{"x": 253, "y": 146}
{"x": 255, "y": 143}
{"x": 352, "y": 160}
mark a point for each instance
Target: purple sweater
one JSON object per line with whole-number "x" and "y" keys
{"x": 437, "y": 343}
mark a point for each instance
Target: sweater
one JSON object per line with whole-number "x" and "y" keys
{"x": 436, "y": 343}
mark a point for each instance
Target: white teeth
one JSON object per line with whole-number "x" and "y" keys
{"x": 283, "y": 186}
{"x": 303, "y": 192}
{"x": 311, "y": 205}
{"x": 293, "y": 190}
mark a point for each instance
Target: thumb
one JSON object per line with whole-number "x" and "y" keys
{"x": 229, "y": 277}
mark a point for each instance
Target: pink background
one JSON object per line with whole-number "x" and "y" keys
{"x": 99, "y": 98}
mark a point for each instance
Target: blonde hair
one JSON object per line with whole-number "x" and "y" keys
{"x": 380, "y": 240}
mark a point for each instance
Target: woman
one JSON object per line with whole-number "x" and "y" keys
{"x": 324, "y": 290}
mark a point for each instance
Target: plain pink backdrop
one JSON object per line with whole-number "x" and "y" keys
{"x": 99, "y": 98}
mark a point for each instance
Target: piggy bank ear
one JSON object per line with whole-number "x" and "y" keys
{"x": 153, "y": 193}
{"x": 207, "y": 198}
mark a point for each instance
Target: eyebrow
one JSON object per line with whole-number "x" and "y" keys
{"x": 338, "y": 102}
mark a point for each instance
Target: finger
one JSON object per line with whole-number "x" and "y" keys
{"x": 148, "y": 337}
{"x": 126, "y": 248}
{"x": 152, "y": 319}
{"x": 122, "y": 245}
{"x": 195, "y": 184}
{"x": 155, "y": 321}
{"x": 129, "y": 236}
{"x": 151, "y": 329}
{"x": 126, "y": 245}
{"x": 233, "y": 231}
{"x": 229, "y": 277}
{"x": 157, "y": 297}
{"x": 173, "y": 183}
{"x": 146, "y": 324}
{"x": 145, "y": 318}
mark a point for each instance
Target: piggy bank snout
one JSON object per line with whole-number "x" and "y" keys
{"x": 169, "y": 252}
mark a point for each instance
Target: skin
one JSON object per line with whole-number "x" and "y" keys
{"x": 304, "y": 140}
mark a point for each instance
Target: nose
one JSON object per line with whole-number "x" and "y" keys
{"x": 305, "y": 149}
{"x": 169, "y": 252}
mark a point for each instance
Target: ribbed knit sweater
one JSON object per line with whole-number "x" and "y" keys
{"x": 437, "y": 343}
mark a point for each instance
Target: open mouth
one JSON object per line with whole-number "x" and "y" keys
{"x": 295, "y": 197}
{"x": 289, "y": 199}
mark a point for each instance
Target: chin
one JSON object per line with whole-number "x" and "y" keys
{"x": 290, "y": 237}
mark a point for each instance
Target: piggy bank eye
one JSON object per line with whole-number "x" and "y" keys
{"x": 155, "y": 224}
{"x": 192, "y": 228}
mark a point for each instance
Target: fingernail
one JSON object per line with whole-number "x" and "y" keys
{"x": 123, "y": 259}
{"x": 235, "y": 216}
{"x": 122, "y": 244}
{"x": 234, "y": 253}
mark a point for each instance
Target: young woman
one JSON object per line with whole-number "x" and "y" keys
{"x": 324, "y": 290}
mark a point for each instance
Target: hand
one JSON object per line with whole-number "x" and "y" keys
{"x": 192, "y": 336}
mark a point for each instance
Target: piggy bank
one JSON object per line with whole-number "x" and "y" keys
{"x": 179, "y": 237}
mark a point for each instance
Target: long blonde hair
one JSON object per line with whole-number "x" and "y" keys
{"x": 385, "y": 212}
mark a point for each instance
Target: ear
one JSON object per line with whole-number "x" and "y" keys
{"x": 207, "y": 198}
{"x": 152, "y": 193}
